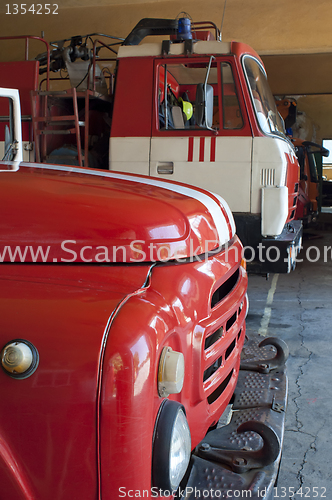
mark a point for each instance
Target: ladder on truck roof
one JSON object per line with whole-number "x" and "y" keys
{"x": 71, "y": 113}
{"x": 69, "y": 104}
{"x": 42, "y": 120}
{"x": 64, "y": 113}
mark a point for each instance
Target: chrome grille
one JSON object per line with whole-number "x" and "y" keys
{"x": 222, "y": 342}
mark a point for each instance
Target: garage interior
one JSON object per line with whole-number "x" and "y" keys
{"x": 294, "y": 42}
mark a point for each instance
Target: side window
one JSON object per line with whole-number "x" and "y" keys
{"x": 231, "y": 111}
{"x": 188, "y": 95}
{"x": 7, "y": 149}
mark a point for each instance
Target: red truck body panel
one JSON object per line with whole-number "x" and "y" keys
{"x": 106, "y": 217}
{"x": 307, "y": 206}
{"x": 48, "y": 421}
{"x": 133, "y": 107}
{"x": 129, "y": 378}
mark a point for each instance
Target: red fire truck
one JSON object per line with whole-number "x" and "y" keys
{"x": 123, "y": 305}
{"x": 190, "y": 108}
{"x": 310, "y": 188}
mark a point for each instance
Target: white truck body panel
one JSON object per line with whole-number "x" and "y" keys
{"x": 228, "y": 174}
{"x": 155, "y": 49}
{"x": 130, "y": 154}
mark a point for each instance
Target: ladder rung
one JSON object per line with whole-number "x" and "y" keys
{"x": 56, "y": 132}
{"x": 58, "y": 118}
{"x": 61, "y": 120}
{"x": 55, "y": 93}
{"x": 63, "y": 123}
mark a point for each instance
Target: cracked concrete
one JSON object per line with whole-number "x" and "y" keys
{"x": 302, "y": 316}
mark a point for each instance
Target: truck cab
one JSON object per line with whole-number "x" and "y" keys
{"x": 310, "y": 185}
{"x": 233, "y": 142}
{"x": 310, "y": 181}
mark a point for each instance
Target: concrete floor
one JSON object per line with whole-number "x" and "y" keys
{"x": 298, "y": 308}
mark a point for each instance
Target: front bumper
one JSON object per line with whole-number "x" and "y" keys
{"x": 228, "y": 464}
{"x": 278, "y": 255}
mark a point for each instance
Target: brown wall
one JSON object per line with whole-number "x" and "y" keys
{"x": 307, "y": 77}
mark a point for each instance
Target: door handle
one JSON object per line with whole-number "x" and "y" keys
{"x": 165, "y": 167}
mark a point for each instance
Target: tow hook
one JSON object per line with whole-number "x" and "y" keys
{"x": 243, "y": 460}
{"x": 266, "y": 365}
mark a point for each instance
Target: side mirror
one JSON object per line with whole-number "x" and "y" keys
{"x": 204, "y": 105}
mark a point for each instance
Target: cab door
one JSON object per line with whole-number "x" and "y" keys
{"x": 215, "y": 153}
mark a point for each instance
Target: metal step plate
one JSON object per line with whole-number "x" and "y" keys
{"x": 259, "y": 402}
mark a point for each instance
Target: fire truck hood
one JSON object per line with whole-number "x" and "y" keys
{"x": 53, "y": 213}
{"x": 66, "y": 314}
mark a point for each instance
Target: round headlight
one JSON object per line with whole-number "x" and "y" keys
{"x": 19, "y": 358}
{"x": 171, "y": 446}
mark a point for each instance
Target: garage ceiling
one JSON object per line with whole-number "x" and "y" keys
{"x": 300, "y": 73}
{"x": 307, "y": 78}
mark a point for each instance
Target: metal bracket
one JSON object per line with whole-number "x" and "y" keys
{"x": 165, "y": 47}
{"x": 266, "y": 365}
{"x": 243, "y": 460}
{"x": 188, "y": 47}
{"x": 279, "y": 408}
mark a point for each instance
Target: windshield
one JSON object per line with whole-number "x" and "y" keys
{"x": 266, "y": 111}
